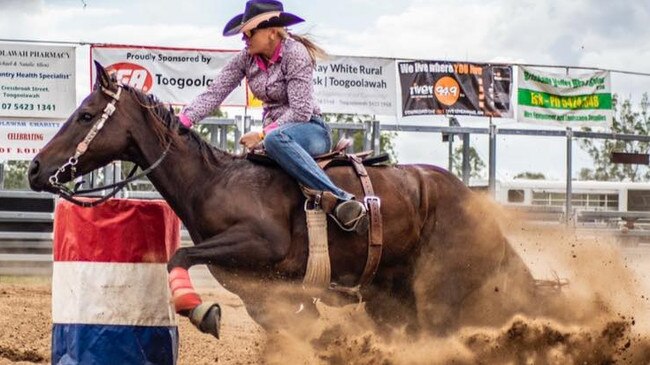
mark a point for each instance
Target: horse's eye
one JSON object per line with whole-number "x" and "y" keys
{"x": 85, "y": 117}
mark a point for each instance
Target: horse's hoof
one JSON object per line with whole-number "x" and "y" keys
{"x": 207, "y": 318}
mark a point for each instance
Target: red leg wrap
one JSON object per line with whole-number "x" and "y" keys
{"x": 183, "y": 294}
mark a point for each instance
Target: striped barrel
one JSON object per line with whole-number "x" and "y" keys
{"x": 110, "y": 299}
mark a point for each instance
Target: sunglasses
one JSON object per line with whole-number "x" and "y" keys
{"x": 250, "y": 33}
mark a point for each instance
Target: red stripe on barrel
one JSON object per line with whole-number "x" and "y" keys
{"x": 77, "y": 231}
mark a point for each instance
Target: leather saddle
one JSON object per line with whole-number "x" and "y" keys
{"x": 337, "y": 157}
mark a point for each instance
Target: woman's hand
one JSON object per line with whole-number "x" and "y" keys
{"x": 251, "y": 139}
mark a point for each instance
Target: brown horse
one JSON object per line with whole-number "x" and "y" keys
{"x": 444, "y": 255}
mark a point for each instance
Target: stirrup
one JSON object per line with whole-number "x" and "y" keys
{"x": 355, "y": 222}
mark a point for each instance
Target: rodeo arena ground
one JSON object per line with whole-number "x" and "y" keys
{"x": 446, "y": 269}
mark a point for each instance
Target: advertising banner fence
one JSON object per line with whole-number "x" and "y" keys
{"x": 356, "y": 85}
{"x": 455, "y": 88}
{"x": 22, "y": 139}
{"x": 569, "y": 100}
{"x": 174, "y": 75}
{"x": 37, "y": 81}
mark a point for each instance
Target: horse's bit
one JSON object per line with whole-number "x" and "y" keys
{"x": 82, "y": 147}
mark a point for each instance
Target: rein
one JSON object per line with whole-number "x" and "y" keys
{"x": 69, "y": 195}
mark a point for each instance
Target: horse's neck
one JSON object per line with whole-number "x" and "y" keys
{"x": 182, "y": 176}
{"x": 175, "y": 181}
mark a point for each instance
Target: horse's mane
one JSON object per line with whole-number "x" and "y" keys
{"x": 167, "y": 127}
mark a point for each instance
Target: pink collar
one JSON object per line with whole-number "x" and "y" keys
{"x": 277, "y": 55}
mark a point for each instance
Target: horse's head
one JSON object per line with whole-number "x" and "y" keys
{"x": 94, "y": 135}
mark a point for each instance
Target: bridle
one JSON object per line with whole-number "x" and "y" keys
{"x": 68, "y": 194}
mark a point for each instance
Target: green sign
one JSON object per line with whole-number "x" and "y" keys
{"x": 564, "y": 99}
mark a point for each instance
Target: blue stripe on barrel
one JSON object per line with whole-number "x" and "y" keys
{"x": 113, "y": 345}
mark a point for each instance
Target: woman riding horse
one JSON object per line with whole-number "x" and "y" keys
{"x": 444, "y": 263}
{"x": 279, "y": 67}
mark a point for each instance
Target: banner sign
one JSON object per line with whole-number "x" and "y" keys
{"x": 558, "y": 99}
{"x": 37, "y": 81}
{"x": 174, "y": 75}
{"x": 459, "y": 88}
{"x": 22, "y": 139}
{"x": 356, "y": 85}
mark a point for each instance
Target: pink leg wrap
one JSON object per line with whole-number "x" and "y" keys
{"x": 183, "y": 294}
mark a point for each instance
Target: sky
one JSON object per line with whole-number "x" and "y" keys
{"x": 588, "y": 33}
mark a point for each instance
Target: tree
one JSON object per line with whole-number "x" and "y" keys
{"x": 586, "y": 174}
{"x": 626, "y": 121}
{"x": 530, "y": 175}
{"x": 15, "y": 175}
{"x": 385, "y": 139}
{"x": 476, "y": 164}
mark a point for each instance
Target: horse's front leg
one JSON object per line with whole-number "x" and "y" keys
{"x": 231, "y": 248}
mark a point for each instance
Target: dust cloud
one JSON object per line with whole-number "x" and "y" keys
{"x": 594, "y": 310}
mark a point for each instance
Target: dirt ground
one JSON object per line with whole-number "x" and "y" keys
{"x": 25, "y": 327}
{"x": 601, "y": 275}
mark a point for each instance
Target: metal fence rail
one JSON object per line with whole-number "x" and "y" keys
{"x": 30, "y": 252}
{"x": 26, "y": 235}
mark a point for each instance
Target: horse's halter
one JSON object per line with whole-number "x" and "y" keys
{"x": 82, "y": 147}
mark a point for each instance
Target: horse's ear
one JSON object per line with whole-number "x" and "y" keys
{"x": 103, "y": 78}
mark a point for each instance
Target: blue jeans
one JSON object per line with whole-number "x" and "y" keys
{"x": 292, "y": 146}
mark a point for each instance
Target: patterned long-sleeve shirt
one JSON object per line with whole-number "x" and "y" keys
{"x": 285, "y": 87}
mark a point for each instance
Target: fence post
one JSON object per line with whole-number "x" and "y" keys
{"x": 492, "y": 163}
{"x": 112, "y": 173}
{"x": 367, "y": 135}
{"x": 453, "y": 122}
{"x": 569, "y": 166}
{"x": 466, "y": 167}
{"x": 223, "y": 132}
{"x": 214, "y": 136}
{"x": 239, "y": 126}
{"x": 376, "y": 136}
{"x": 450, "y": 153}
{"x": 247, "y": 123}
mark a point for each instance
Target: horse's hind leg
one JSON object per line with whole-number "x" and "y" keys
{"x": 510, "y": 291}
{"x": 460, "y": 253}
{"x": 395, "y": 308}
{"x": 482, "y": 284}
{"x": 439, "y": 293}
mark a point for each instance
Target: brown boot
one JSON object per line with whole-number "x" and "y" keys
{"x": 325, "y": 199}
{"x": 351, "y": 215}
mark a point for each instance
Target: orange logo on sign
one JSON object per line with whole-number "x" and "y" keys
{"x": 131, "y": 74}
{"x": 447, "y": 90}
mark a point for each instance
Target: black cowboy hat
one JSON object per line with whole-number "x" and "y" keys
{"x": 260, "y": 14}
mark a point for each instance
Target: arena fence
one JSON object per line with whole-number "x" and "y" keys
{"x": 26, "y": 217}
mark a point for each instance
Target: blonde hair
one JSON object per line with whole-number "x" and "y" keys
{"x": 315, "y": 51}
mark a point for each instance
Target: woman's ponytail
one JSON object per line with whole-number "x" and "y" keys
{"x": 315, "y": 52}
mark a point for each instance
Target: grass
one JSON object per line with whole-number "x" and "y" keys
{"x": 25, "y": 280}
